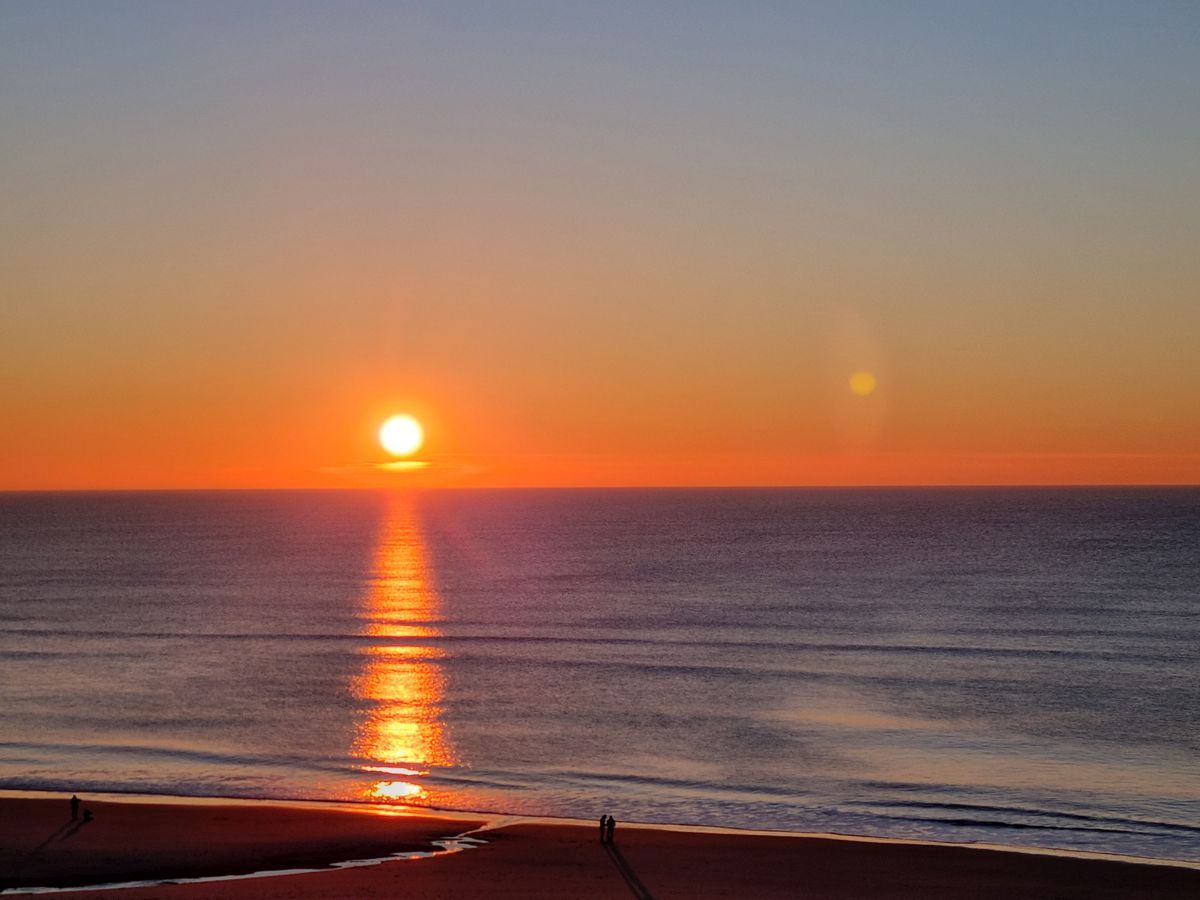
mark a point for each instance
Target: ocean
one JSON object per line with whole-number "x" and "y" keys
{"x": 1015, "y": 666}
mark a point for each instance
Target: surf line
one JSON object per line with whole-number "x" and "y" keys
{"x": 446, "y": 846}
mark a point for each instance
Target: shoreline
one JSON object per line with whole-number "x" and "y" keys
{"x": 152, "y": 846}
{"x": 160, "y": 840}
{"x": 494, "y": 819}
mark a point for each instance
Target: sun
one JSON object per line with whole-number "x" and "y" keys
{"x": 401, "y": 435}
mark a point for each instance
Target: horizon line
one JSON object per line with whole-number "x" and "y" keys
{"x": 614, "y": 487}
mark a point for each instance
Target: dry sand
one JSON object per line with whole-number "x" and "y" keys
{"x": 39, "y": 845}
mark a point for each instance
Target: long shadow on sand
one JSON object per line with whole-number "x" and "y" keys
{"x": 74, "y": 828}
{"x": 631, "y": 879}
{"x": 59, "y": 834}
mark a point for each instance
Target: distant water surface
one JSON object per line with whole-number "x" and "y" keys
{"x": 1017, "y": 666}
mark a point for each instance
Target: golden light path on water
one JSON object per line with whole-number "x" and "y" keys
{"x": 403, "y": 734}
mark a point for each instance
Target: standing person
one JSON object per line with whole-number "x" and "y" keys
{"x": 603, "y": 828}
{"x": 74, "y": 807}
{"x": 612, "y": 827}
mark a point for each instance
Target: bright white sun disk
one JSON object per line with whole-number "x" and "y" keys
{"x": 401, "y": 435}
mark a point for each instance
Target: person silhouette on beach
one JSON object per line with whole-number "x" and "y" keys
{"x": 603, "y": 828}
{"x": 74, "y": 807}
{"x": 612, "y": 827}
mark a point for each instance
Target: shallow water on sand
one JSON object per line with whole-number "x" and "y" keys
{"x": 1011, "y": 666}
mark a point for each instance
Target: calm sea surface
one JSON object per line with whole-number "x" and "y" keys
{"x": 1017, "y": 666}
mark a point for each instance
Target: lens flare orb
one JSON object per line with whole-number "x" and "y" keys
{"x": 862, "y": 384}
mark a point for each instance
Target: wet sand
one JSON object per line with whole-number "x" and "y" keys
{"x": 127, "y": 841}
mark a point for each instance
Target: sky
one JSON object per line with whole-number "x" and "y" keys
{"x": 599, "y": 243}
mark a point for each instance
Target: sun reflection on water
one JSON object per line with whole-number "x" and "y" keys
{"x": 403, "y": 733}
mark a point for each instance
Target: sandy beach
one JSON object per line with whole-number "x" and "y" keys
{"x": 41, "y": 846}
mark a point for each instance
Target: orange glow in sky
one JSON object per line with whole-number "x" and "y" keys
{"x": 597, "y": 248}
